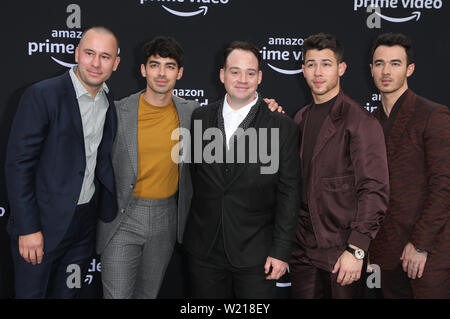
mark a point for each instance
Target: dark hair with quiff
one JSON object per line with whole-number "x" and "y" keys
{"x": 323, "y": 41}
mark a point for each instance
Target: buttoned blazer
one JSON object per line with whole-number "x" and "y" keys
{"x": 418, "y": 150}
{"x": 125, "y": 163}
{"x": 46, "y": 161}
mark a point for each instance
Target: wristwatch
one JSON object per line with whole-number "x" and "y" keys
{"x": 358, "y": 253}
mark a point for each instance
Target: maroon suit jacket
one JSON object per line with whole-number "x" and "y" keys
{"x": 348, "y": 181}
{"x": 418, "y": 151}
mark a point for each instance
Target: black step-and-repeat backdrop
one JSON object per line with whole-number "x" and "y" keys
{"x": 39, "y": 40}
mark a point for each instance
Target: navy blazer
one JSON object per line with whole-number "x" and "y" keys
{"x": 46, "y": 161}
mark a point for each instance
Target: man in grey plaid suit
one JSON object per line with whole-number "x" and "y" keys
{"x": 153, "y": 191}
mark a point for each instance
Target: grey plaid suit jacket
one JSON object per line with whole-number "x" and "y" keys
{"x": 125, "y": 163}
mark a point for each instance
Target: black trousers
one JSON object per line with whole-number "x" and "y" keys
{"x": 209, "y": 280}
{"x": 216, "y": 278}
{"x": 49, "y": 279}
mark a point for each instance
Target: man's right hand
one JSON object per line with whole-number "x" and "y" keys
{"x": 31, "y": 247}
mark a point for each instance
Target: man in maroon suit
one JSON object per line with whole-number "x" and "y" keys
{"x": 344, "y": 177}
{"x": 412, "y": 247}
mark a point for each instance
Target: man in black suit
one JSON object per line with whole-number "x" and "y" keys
{"x": 240, "y": 229}
{"x": 58, "y": 170}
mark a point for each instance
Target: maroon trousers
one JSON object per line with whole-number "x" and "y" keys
{"x": 310, "y": 282}
{"x": 434, "y": 284}
{"x": 310, "y": 268}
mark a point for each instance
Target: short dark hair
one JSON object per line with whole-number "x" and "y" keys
{"x": 323, "y": 41}
{"x": 241, "y": 45}
{"x": 165, "y": 47}
{"x": 392, "y": 39}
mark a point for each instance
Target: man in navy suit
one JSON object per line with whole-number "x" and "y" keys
{"x": 58, "y": 170}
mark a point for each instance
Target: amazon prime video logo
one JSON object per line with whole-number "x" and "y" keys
{"x": 193, "y": 8}
{"x": 283, "y": 55}
{"x": 411, "y": 10}
{"x": 60, "y": 42}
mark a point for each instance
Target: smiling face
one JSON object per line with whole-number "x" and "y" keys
{"x": 322, "y": 73}
{"x": 97, "y": 59}
{"x": 241, "y": 77}
{"x": 161, "y": 74}
{"x": 390, "y": 69}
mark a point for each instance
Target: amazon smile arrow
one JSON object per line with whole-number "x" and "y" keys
{"x": 415, "y": 15}
{"x": 288, "y": 72}
{"x": 67, "y": 65}
{"x": 203, "y": 9}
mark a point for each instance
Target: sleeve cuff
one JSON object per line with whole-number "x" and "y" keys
{"x": 420, "y": 243}
{"x": 359, "y": 240}
{"x": 281, "y": 251}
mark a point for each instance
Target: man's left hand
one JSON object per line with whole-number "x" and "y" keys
{"x": 413, "y": 261}
{"x": 273, "y": 105}
{"x": 349, "y": 268}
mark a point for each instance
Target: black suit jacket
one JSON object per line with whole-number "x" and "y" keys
{"x": 257, "y": 212}
{"x": 46, "y": 161}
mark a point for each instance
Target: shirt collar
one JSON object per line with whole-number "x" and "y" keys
{"x": 243, "y": 111}
{"x": 80, "y": 90}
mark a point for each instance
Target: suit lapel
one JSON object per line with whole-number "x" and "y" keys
{"x": 110, "y": 128}
{"x": 111, "y": 117}
{"x": 183, "y": 117}
{"x": 248, "y": 119}
{"x": 302, "y": 129}
{"x": 106, "y": 144}
{"x": 184, "y": 123}
{"x": 220, "y": 123}
{"x": 239, "y": 168}
{"x": 129, "y": 119}
{"x": 215, "y": 120}
{"x": 402, "y": 119}
{"x": 328, "y": 128}
{"x": 73, "y": 107}
{"x": 325, "y": 134}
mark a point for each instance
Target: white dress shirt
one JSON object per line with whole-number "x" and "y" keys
{"x": 233, "y": 118}
{"x": 93, "y": 114}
